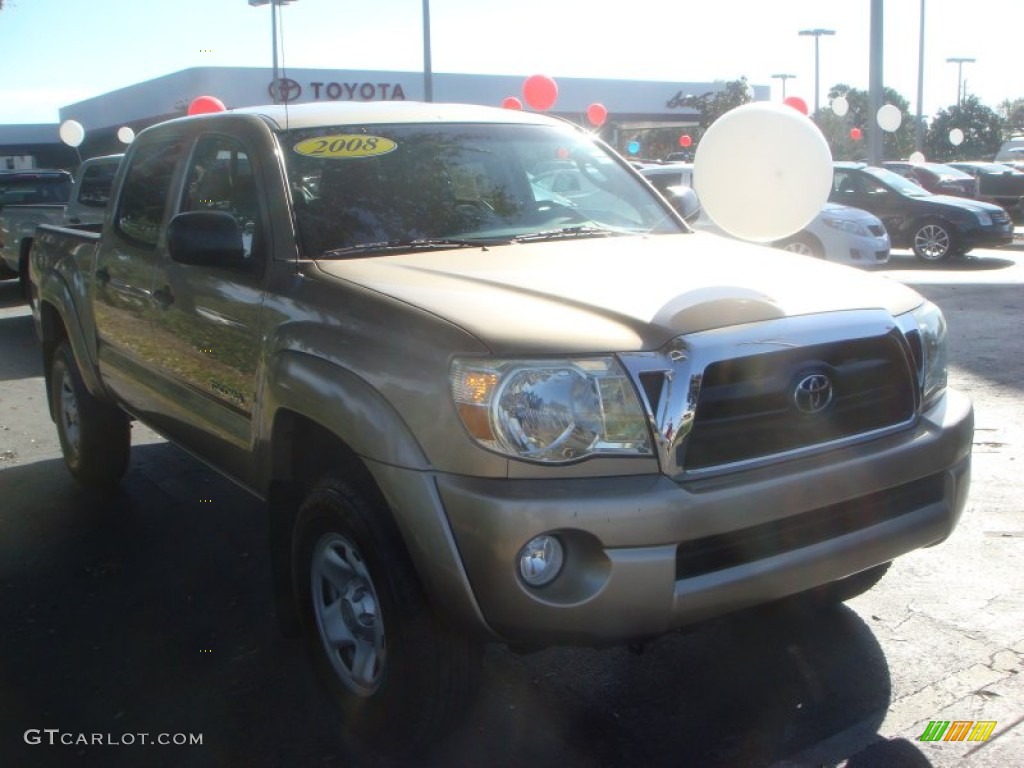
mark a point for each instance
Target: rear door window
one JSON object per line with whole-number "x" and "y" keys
{"x": 146, "y": 187}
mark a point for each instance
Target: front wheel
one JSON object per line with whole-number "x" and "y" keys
{"x": 934, "y": 241}
{"x": 398, "y": 672}
{"x": 95, "y": 437}
{"x": 805, "y": 244}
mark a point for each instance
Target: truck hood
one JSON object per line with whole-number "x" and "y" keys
{"x": 616, "y": 293}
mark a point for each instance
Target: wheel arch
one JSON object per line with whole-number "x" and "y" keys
{"x": 357, "y": 434}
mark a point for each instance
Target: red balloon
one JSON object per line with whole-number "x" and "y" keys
{"x": 201, "y": 105}
{"x": 796, "y": 103}
{"x": 855, "y": 134}
{"x": 597, "y": 114}
{"x": 540, "y": 92}
{"x": 685, "y": 140}
{"x": 511, "y": 102}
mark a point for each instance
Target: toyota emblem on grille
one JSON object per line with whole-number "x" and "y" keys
{"x": 813, "y": 393}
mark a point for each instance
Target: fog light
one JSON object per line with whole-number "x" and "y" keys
{"x": 541, "y": 560}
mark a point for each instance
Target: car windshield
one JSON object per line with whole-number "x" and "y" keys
{"x": 899, "y": 183}
{"x": 386, "y": 188}
{"x": 35, "y": 190}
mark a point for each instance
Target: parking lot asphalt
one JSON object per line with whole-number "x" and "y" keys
{"x": 151, "y": 614}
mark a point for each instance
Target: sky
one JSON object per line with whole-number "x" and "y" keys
{"x": 56, "y": 52}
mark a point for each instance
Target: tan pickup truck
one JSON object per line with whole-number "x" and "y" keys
{"x": 483, "y": 410}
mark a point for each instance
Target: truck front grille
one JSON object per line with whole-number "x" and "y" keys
{"x": 777, "y": 402}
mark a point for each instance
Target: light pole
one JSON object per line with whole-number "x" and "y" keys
{"x": 919, "y": 125}
{"x": 959, "y": 61}
{"x": 275, "y": 91}
{"x": 428, "y": 75}
{"x": 816, "y": 33}
{"x": 784, "y": 78}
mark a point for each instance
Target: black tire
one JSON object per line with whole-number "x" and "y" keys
{"x": 95, "y": 437}
{"x": 805, "y": 244}
{"x": 934, "y": 241}
{"x": 398, "y": 672}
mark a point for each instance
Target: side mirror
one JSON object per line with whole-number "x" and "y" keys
{"x": 206, "y": 239}
{"x": 685, "y": 201}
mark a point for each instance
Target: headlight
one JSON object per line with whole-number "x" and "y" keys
{"x": 983, "y": 218}
{"x": 550, "y": 410}
{"x": 932, "y": 326}
{"x": 846, "y": 225}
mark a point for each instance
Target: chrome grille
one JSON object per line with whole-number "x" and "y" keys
{"x": 747, "y": 407}
{"x": 756, "y": 393}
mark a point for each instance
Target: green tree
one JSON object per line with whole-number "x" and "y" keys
{"x": 713, "y": 105}
{"x": 982, "y": 129}
{"x": 1012, "y": 113}
{"x": 837, "y": 130}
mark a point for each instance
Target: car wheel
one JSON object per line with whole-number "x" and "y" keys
{"x": 398, "y": 672}
{"x": 95, "y": 437}
{"x": 805, "y": 244}
{"x": 934, "y": 241}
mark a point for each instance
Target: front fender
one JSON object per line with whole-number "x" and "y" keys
{"x": 342, "y": 403}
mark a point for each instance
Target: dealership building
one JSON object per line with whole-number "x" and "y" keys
{"x": 633, "y": 106}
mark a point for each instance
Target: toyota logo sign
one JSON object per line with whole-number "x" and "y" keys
{"x": 813, "y": 393}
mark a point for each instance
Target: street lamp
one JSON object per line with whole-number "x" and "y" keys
{"x": 959, "y": 61}
{"x": 816, "y": 33}
{"x": 275, "y": 90}
{"x": 783, "y": 78}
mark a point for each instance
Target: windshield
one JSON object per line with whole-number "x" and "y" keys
{"x": 34, "y": 190}
{"x": 357, "y": 190}
{"x": 901, "y": 184}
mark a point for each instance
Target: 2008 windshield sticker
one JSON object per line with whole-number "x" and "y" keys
{"x": 345, "y": 146}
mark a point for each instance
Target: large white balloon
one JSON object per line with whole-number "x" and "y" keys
{"x": 71, "y": 133}
{"x": 956, "y": 137}
{"x": 916, "y": 158}
{"x": 840, "y": 106}
{"x": 762, "y": 171}
{"x": 125, "y": 134}
{"x": 889, "y": 118}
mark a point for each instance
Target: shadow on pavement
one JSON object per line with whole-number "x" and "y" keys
{"x": 151, "y": 613}
{"x": 968, "y": 263}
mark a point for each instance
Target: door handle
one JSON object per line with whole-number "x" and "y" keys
{"x": 164, "y": 297}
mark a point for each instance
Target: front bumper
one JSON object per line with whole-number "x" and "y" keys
{"x": 645, "y": 554}
{"x": 989, "y": 237}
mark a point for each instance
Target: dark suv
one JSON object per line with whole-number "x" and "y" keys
{"x": 936, "y": 227}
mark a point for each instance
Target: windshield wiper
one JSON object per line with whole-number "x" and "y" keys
{"x": 569, "y": 232}
{"x": 417, "y": 244}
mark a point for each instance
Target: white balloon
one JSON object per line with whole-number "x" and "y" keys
{"x": 916, "y": 158}
{"x": 840, "y": 106}
{"x": 956, "y": 137}
{"x": 71, "y": 133}
{"x": 762, "y": 171}
{"x": 889, "y": 118}
{"x": 125, "y": 134}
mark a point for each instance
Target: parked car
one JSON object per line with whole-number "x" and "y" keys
{"x": 1012, "y": 151}
{"x": 479, "y": 415}
{"x": 82, "y": 202}
{"x": 28, "y": 198}
{"x": 998, "y": 183}
{"x": 838, "y": 233}
{"x": 936, "y": 227}
{"x": 939, "y": 178}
